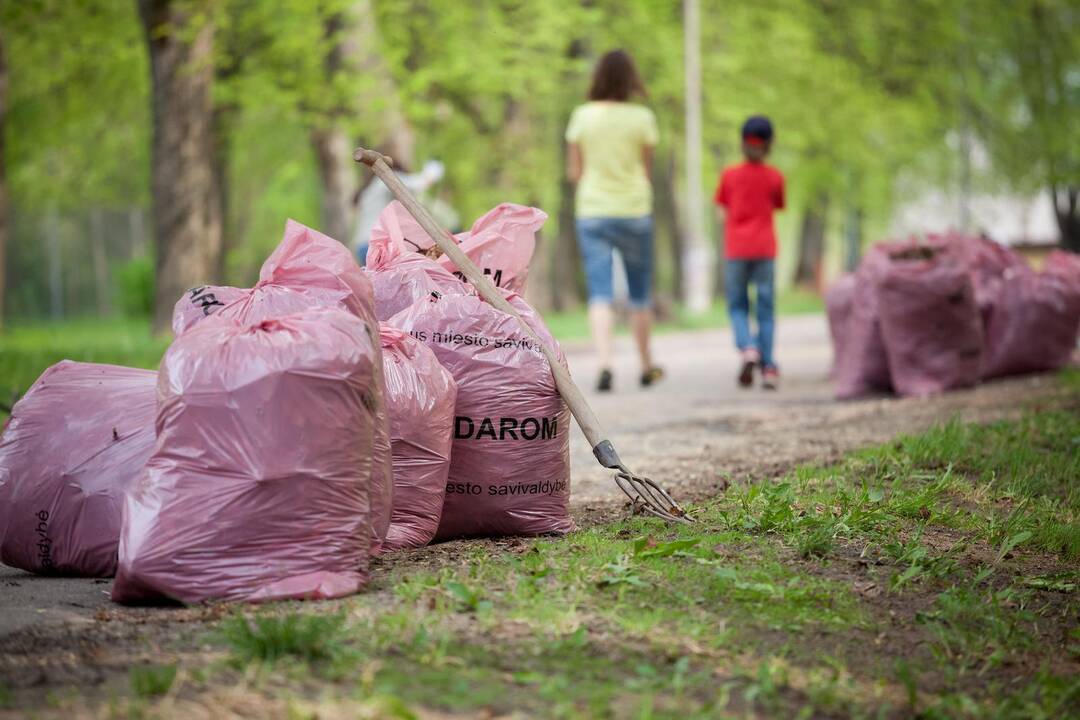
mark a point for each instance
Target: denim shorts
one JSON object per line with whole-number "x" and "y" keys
{"x": 633, "y": 237}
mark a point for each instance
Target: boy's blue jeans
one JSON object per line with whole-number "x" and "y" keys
{"x": 737, "y": 278}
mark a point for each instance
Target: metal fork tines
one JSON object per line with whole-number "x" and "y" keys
{"x": 649, "y": 497}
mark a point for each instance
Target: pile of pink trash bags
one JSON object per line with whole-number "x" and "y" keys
{"x": 297, "y": 428}
{"x": 922, "y": 317}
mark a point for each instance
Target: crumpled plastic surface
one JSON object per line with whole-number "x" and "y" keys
{"x": 862, "y": 365}
{"x": 501, "y": 244}
{"x": 311, "y": 270}
{"x": 75, "y": 443}
{"x": 1032, "y": 323}
{"x": 400, "y": 277}
{"x": 420, "y": 398}
{"x": 1064, "y": 263}
{"x": 200, "y": 302}
{"x": 258, "y": 486}
{"x": 510, "y": 462}
{"x": 839, "y": 303}
{"x": 985, "y": 260}
{"x": 930, "y": 322}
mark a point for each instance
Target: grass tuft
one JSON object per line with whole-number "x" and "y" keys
{"x": 269, "y": 638}
{"x": 152, "y": 680}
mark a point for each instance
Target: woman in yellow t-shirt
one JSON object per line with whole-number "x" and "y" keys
{"x": 610, "y": 145}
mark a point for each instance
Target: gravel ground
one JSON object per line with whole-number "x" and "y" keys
{"x": 695, "y": 432}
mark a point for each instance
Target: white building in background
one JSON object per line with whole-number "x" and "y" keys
{"x": 1009, "y": 219}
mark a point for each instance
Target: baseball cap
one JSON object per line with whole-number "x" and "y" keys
{"x": 757, "y": 128}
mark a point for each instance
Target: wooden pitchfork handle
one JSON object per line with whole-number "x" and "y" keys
{"x": 647, "y": 494}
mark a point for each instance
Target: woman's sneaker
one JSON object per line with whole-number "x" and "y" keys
{"x": 605, "y": 382}
{"x": 651, "y": 376}
{"x": 770, "y": 378}
{"x": 750, "y": 359}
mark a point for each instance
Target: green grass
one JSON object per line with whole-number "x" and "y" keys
{"x": 932, "y": 576}
{"x": 26, "y": 351}
{"x": 152, "y": 680}
{"x": 902, "y": 581}
{"x": 574, "y": 324}
{"x": 269, "y": 638}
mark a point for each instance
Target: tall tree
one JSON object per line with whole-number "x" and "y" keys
{"x": 333, "y": 151}
{"x": 187, "y": 223}
{"x": 1020, "y": 61}
{"x": 4, "y": 221}
{"x": 812, "y": 243}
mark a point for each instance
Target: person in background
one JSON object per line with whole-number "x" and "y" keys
{"x": 610, "y": 143}
{"x": 746, "y": 198}
{"x": 373, "y": 198}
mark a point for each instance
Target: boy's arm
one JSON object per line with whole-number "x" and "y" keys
{"x": 778, "y": 200}
{"x": 647, "y": 152}
{"x": 720, "y": 202}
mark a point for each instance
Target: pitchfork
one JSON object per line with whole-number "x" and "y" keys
{"x": 646, "y": 495}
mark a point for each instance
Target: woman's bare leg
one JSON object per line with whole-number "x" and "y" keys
{"x": 641, "y": 323}
{"x": 601, "y": 324}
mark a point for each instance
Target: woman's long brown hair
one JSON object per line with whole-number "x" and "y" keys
{"x": 616, "y": 78}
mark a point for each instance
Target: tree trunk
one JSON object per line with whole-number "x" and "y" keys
{"x": 538, "y": 292}
{"x": 187, "y": 225}
{"x": 5, "y": 222}
{"x": 220, "y": 128}
{"x": 567, "y": 288}
{"x": 667, "y": 216}
{"x": 566, "y": 291}
{"x": 853, "y": 239}
{"x": 333, "y": 153}
{"x": 56, "y": 265}
{"x": 812, "y": 244}
{"x": 136, "y": 235}
{"x": 333, "y": 150}
{"x": 1067, "y": 213}
{"x": 100, "y": 260}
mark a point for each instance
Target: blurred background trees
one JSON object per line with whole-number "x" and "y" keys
{"x": 179, "y": 134}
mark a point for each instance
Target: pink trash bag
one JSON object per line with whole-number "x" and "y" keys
{"x": 986, "y": 262}
{"x": 510, "y": 463}
{"x": 1033, "y": 323}
{"x": 258, "y": 487}
{"x": 1065, "y": 264}
{"x": 74, "y": 445}
{"x": 311, "y": 270}
{"x": 200, "y": 302}
{"x": 420, "y": 396}
{"x": 400, "y": 276}
{"x": 930, "y": 322}
{"x": 839, "y": 303}
{"x": 862, "y": 365}
{"x": 501, "y": 244}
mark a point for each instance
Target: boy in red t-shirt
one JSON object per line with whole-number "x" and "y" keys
{"x": 746, "y": 198}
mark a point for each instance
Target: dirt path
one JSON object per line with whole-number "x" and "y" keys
{"x": 696, "y": 432}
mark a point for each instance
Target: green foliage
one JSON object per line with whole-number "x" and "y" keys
{"x": 135, "y": 283}
{"x": 152, "y": 680}
{"x": 26, "y": 351}
{"x": 269, "y": 638}
{"x": 868, "y": 97}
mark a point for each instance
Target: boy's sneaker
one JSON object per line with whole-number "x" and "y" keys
{"x": 652, "y": 375}
{"x": 750, "y": 358}
{"x": 770, "y": 378}
{"x": 605, "y": 382}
